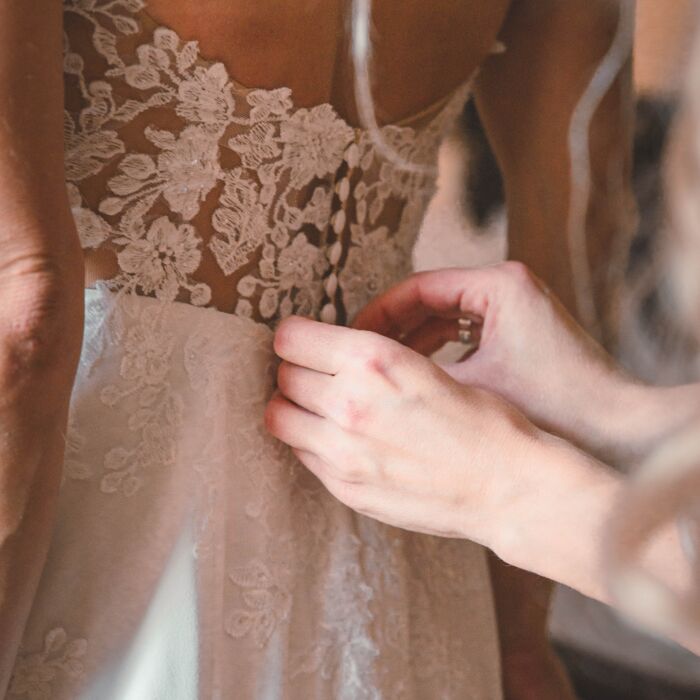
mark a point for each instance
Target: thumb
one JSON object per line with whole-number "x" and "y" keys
{"x": 460, "y": 373}
{"x": 450, "y": 294}
{"x": 471, "y": 369}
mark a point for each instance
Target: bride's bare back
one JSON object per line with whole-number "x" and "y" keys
{"x": 421, "y": 50}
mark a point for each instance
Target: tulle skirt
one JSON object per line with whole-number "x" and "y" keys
{"x": 193, "y": 557}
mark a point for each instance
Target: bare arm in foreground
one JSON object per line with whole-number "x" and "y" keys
{"x": 41, "y": 283}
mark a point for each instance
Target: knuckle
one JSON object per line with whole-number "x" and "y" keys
{"x": 284, "y": 335}
{"x": 394, "y": 354}
{"x": 379, "y": 354}
{"x": 347, "y": 469}
{"x": 351, "y": 413}
{"x": 516, "y": 270}
{"x": 518, "y": 277}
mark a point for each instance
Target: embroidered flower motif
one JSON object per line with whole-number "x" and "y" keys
{"x": 372, "y": 265}
{"x": 35, "y": 673}
{"x": 256, "y": 146}
{"x": 299, "y": 266}
{"x": 268, "y": 104}
{"x": 145, "y": 371}
{"x": 347, "y": 612}
{"x": 299, "y": 262}
{"x": 318, "y": 211}
{"x": 184, "y": 173}
{"x": 244, "y": 229}
{"x": 314, "y": 143}
{"x": 161, "y": 262}
{"x": 240, "y": 192}
{"x": 266, "y": 603}
{"x": 241, "y": 223}
{"x": 87, "y": 151}
{"x": 189, "y": 169}
{"x": 145, "y": 74}
{"x": 206, "y": 97}
{"x": 147, "y": 354}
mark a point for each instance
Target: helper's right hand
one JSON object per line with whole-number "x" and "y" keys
{"x": 530, "y": 350}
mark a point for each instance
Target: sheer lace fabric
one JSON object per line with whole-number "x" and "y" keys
{"x": 296, "y": 596}
{"x": 212, "y": 193}
{"x": 192, "y": 555}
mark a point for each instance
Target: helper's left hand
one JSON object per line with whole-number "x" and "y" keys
{"x": 530, "y": 351}
{"x": 391, "y": 435}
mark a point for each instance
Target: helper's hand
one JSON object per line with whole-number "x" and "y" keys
{"x": 393, "y": 436}
{"x": 530, "y": 350}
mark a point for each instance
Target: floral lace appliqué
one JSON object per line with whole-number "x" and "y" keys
{"x": 266, "y": 603}
{"x": 35, "y": 673}
{"x": 145, "y": 374}
{"x": 288, "y": 204}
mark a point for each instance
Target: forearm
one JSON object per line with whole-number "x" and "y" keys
{"x": 30, "y": 459}
{"x": 527, "y": 98}
{"x": 634, "y": 419}
{"x": 555, "y": 527}
{"x": 40, "y": 303}
{"x": 555, "y": 524}
{"x": 536, "y": 233}
{"x": 32, "y": 182}
{"x": 36, "y": 372}
{"x": 40, "y": 261}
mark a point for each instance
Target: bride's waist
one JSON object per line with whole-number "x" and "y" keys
{"x": 322, "y": 282}
{"x": 245, "y": 292}
{"x": 135, "y": 330}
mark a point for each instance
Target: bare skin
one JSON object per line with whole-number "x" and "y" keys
{"x": 40, "y": 304}
{"x": 421, "y": 54}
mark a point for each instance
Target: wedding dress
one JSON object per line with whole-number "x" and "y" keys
{"x": 192, "y": 556}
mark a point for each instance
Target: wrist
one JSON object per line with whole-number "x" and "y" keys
{"x": 552, "y": 522}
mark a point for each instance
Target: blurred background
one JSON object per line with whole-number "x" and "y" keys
{"x": 608, "y": 659}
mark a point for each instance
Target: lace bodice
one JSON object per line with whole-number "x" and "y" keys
{"x": 207, "y": 192}
{"x": 192, "y": 555}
